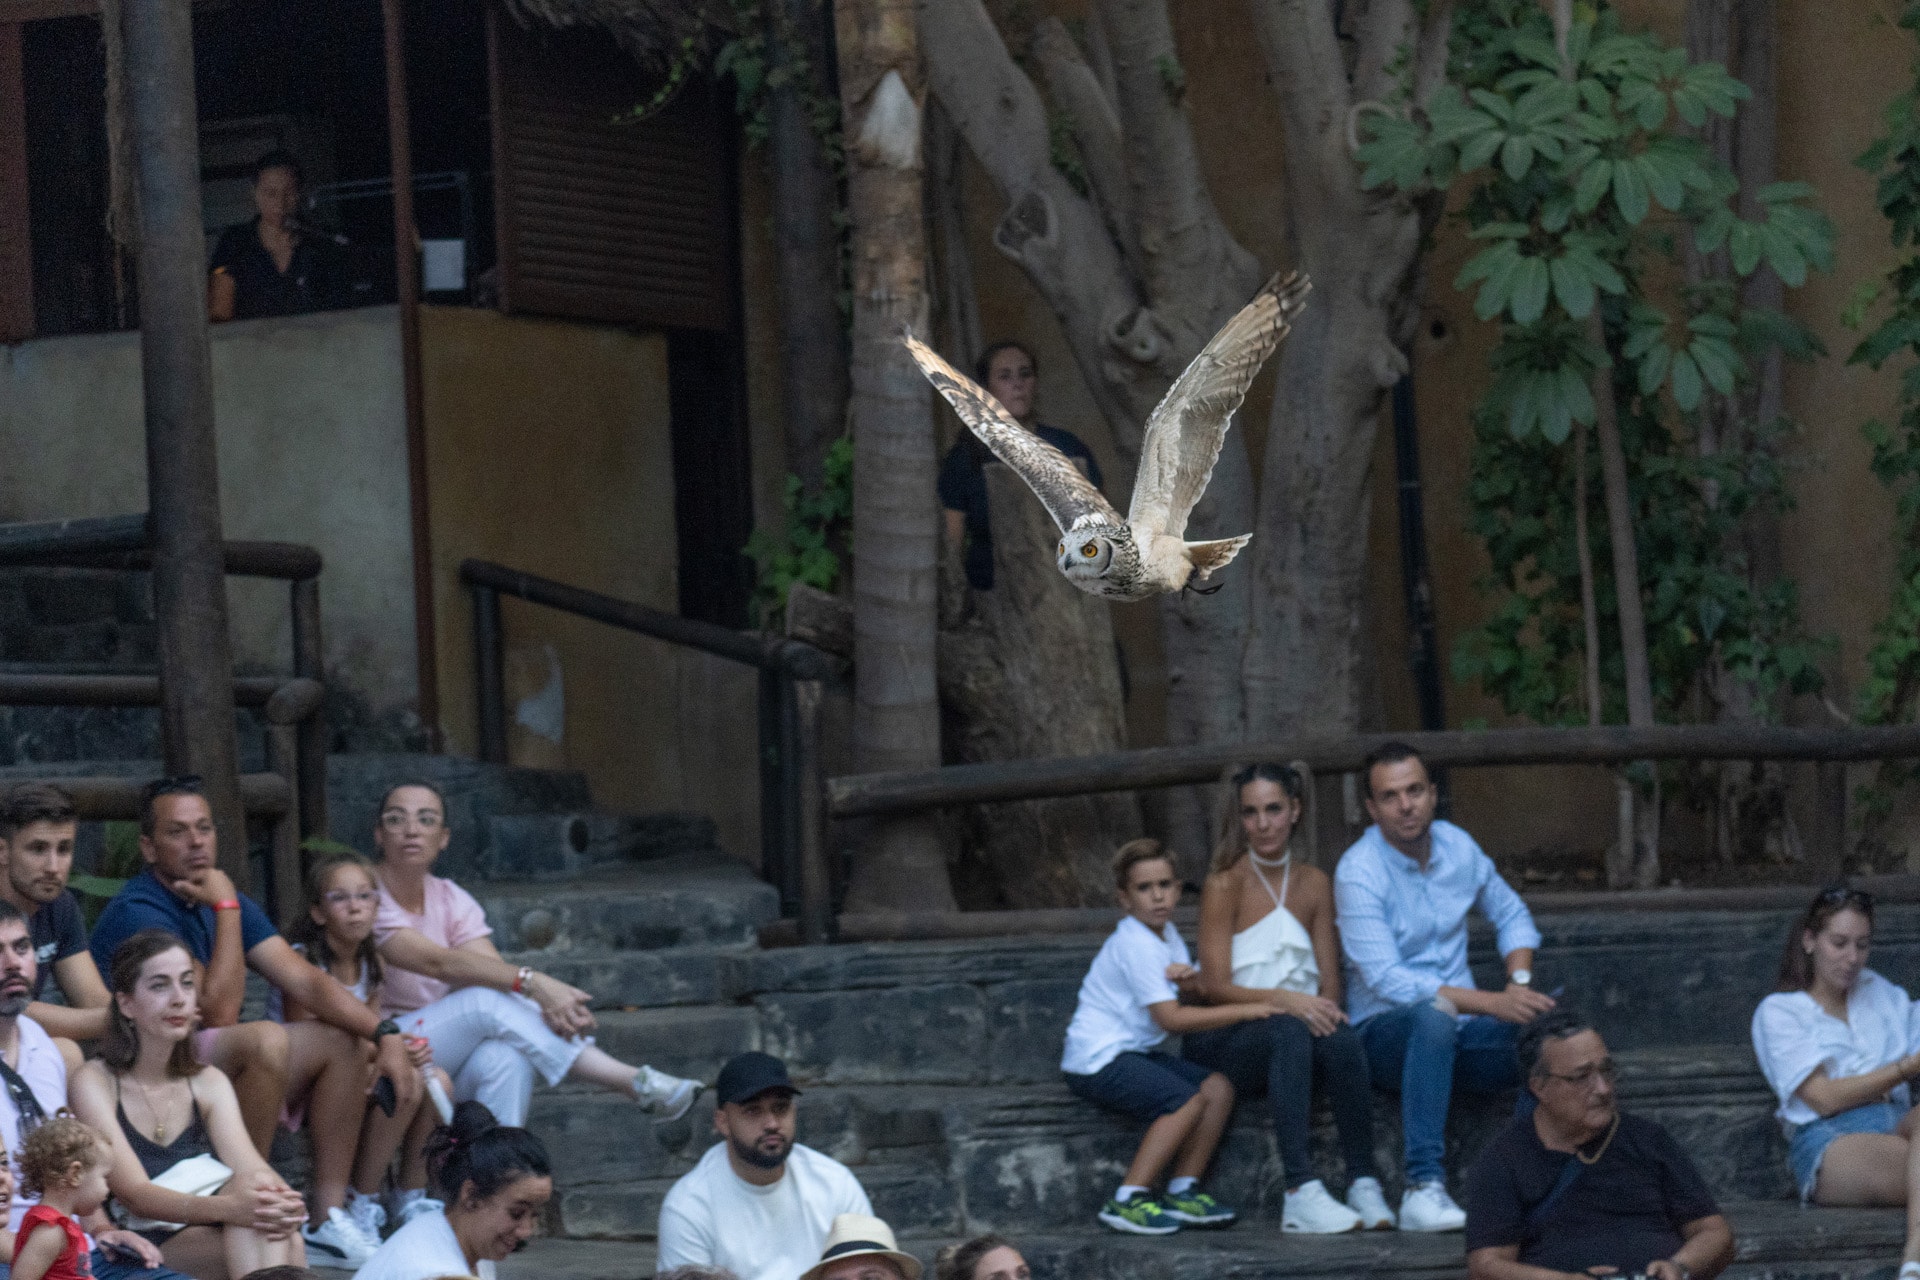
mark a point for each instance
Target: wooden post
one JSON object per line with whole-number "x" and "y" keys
{"x": 407, "y": 269}
{"x": 816, "y": 874}
{"x": 310, "y": 759}
{"x": 1827, "y": 851}
{"x": 289, "y": 872}
{"x": 183, "y": 479}
{"x": 775, "y": 868}
{"x": 489, "y": 674}
{"x": 16, "y": 242}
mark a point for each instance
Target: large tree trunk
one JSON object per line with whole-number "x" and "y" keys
{"x": 1032, "y": 673}
{"x": 806, "y": 233}
{"x": 1306, "y": 652}
{"x": 900, "y": 863}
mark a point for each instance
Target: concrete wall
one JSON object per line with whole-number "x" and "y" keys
{"x": 549, "y": 451}
{"x": 312, "y": 449}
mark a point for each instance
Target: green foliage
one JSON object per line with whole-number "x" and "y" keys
{"x": 813, "y": 529}
{"x": 1893, "y": 664}
{"x": 766, "y": 54}
{"x": 1064, "y": 152}
{"x": 1173, "y": 77}
{"x": 1563, "y": 176}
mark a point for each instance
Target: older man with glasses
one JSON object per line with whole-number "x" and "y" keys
{"x": 1579, "y": 1187}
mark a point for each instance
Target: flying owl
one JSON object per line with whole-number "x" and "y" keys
{"x": 1145, "y": 553}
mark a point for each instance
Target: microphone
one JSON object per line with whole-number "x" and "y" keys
{"x": 305, "y": 228}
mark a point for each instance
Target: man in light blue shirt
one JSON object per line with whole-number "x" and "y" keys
{"x": 1402, "y": 893}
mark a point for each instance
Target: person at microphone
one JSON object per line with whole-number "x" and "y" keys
{"x": 269, "y": 266}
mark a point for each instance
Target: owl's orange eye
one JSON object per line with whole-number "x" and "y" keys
{"x": 1090, "y": 550}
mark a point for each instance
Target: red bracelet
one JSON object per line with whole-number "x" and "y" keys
{"x": 227, "y": 904}
{"x": 520, "y": 979}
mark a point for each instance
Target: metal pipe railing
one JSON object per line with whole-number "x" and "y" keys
{"x": 788, "y": 718}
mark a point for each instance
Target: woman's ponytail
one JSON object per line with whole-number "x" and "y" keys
{"x": 475, "y": 1148}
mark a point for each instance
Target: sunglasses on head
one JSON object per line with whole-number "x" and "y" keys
{"x": 186, "y": 784}
{"x": 1838, "y": 893}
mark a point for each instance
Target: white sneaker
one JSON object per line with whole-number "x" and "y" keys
{"x": 339, "y": 1242}
{"x": 1312, "y": 1210}
{"x": 667, "y": 1097}
{"x": 415, "y": 1203}
{"x": 1428, "y": 1207}
{"x": 1365, "y": 1198}
{"x": 366, "y": 1213}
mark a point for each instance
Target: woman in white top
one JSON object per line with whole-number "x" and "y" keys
{"x": 494, "y": 1179}
{"x": 1267, "y": 935}
{"x": 1835, "y": 1040}
{"x": 492, "y": 1024}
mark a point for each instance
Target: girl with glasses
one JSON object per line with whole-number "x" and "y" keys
{"x": 336, "y": 934}
{"x": 1836, "y": 1043}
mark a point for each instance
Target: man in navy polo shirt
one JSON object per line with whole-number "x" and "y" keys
{"x": 183, "y": 891}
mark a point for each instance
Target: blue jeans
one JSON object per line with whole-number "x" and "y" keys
{"x": 1421, "y": 1051}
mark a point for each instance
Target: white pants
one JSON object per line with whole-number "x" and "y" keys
{"x": 491, "y": 1043}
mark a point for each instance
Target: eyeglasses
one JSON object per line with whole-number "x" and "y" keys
{"x": 1835, "y": 893}
{"x": 397, "y": 819}
{"x": 1585, "y": 1076}
{"x": 341, "y": 897}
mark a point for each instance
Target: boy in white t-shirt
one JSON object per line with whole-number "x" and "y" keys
{"x": 1129, "y": 1005}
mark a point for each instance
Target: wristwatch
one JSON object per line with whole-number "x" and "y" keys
{"x": 1521, "y": 977}
{"x": 387, "y": 1027}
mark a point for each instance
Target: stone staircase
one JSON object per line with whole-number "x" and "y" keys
{"x": 930, "y": 1068}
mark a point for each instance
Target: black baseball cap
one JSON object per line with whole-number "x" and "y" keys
{"x": 748, "y": 1075}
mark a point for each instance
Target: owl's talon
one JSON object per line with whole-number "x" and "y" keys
{"x": 1204, "y": 591}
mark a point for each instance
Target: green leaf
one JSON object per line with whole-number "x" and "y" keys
{"x": 1687, "y": 385}
{"x": 1516, "y": 157}
{"x": 1743, "y": 245}
{"x": 1591, "y": 186}
{"x": 1653, "y": 367}
{"x": 1571, "y": 286}
{"x": 1530, "y": 283}
{"x": 1630, "y": 192}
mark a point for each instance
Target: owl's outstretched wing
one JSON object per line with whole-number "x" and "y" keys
{"x": 1066, "y": 493}
{"x": 1190, "y": 423}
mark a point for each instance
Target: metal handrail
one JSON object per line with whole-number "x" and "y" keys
{"x": 792, "y": 851}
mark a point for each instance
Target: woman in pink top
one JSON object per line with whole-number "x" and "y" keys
{"x": 492, "y": 1024}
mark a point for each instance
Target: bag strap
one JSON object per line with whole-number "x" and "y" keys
{"x": 32, "y": 1115}
{"x": 1569, "y": 1174}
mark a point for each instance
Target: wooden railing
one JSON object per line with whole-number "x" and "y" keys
{"x": 292, "y": 793}
{"x": 868, "y": 795}
{"x": 792, "y": 852}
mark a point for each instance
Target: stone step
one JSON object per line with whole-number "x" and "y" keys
{"x": 688, "y": 899}
{"x": 1773, "y": 1242}
{"x": 1026, "y": 1157}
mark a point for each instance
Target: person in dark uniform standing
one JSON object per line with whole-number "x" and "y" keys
{"x": 1009, "y": 371}
{"x": 266, "y": 266}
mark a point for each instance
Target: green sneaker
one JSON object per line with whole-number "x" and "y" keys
{"x": 1196, "y": 1209}
{"x": 1141, "y": 1215}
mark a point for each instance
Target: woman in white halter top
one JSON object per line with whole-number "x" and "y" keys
{"x": 1267, "y": 934}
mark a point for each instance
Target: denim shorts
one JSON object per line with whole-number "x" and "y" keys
{"x": 1807, "y": 1143}
{"x": 1145, "y": 1086}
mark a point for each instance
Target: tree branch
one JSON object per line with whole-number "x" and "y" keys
{"x": 1180, "y": 232}
{"x": 1056, "y": 236}
{"x": 1096, "y": 130}
{"x": 1385, "y": 32}
{"x": 1303, "y": 52}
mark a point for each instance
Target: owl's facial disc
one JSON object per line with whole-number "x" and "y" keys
{"x": 1085, "y": 556}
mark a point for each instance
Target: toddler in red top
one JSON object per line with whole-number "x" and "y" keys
{"x": 64, "y": 1162}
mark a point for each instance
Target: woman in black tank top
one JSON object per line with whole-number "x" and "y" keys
{"x": 160, "y": 1107}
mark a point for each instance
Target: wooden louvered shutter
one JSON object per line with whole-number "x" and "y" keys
{"x": 598, "y": 220}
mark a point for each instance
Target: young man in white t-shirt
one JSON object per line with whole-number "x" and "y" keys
{"x": 1129, "y": 1004}
{"x": 758, "y": 1204}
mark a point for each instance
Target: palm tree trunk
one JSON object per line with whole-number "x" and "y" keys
{"x": 900, "y": 862}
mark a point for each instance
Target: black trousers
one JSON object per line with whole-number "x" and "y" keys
{"x": 1279, "y": 1056}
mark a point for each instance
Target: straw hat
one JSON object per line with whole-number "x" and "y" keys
{"x": 855, "y": 1234}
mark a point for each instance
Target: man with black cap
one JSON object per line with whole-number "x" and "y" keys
{"x": 758, "y": 1203}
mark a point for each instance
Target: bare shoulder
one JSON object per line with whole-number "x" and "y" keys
{"x": 1225, "y": 881}
{"x": 1314, "y": 885}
